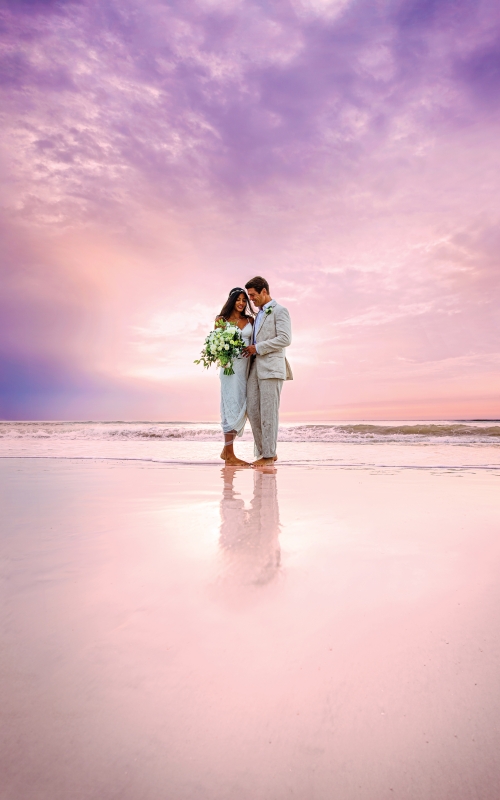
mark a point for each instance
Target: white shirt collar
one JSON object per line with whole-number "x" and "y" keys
{"x": 259, "y": 313}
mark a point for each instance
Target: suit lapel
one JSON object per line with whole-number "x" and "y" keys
{"x": 264, "y": 319}
{"x": 261, "y": 324}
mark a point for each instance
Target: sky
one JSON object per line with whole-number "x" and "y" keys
{"x": 155, "y": 154}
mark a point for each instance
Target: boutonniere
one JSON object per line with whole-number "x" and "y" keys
{"x": 269, "y": 311}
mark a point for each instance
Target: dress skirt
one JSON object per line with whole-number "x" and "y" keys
{"x": 233, "y": 397}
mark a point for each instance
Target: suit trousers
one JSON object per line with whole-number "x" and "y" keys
{"x": 263, "y": 405}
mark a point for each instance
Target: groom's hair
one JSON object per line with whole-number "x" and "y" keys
{"x": 258, "y": 284}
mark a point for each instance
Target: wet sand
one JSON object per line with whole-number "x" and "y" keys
{"x": 199, "y": 633}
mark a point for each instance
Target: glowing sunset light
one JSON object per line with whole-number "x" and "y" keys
{"x": 155, "y": 155}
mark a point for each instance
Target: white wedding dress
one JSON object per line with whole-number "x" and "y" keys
{"x": 233, "y": 390}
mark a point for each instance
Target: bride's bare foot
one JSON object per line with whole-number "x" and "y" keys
{"x": 233, "y": 461}
{"x": 264, "y": 462}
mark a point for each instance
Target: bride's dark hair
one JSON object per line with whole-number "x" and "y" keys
{"x": 228, "y": 307}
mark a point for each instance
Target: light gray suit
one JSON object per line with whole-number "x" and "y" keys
{"x": 268, "y": 370}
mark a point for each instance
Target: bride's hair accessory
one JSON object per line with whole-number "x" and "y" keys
{"x": 233, "y": 291}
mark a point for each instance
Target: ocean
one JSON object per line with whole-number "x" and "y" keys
{"x": 437, "y": 444}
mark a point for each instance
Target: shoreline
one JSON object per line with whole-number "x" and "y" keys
{"x": 280, "y": 464}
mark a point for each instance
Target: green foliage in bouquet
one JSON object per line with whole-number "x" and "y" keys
{"x": 222, "y": 346}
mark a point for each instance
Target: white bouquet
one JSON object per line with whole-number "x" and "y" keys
{"x": 222, "y": 346}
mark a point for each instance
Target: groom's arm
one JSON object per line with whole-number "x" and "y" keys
{"x": 283, "y": 336}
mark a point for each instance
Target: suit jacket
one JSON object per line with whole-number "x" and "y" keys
{"x": 274, "y": 334}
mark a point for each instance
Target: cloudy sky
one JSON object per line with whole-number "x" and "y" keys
{"x": 157, "y": 153}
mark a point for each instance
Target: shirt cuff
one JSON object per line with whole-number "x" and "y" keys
{"x": 257, "y": 348}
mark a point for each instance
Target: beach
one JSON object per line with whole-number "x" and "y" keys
{"x": 187, "y": 630}
{"x": 216, "y": 212}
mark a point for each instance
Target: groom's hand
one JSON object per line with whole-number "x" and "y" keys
{"x": 249, "y": 351}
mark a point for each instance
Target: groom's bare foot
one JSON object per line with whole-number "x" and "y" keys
{"x": 263, "y": 462}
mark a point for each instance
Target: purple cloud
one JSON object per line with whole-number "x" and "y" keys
{"x": 349, "y": 150}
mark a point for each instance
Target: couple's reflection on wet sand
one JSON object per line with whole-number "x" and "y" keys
{"x": 249, "y": 537}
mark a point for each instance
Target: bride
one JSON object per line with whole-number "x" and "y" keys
{"x": 233, "y": 400}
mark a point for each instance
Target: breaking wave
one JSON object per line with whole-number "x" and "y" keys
{"x": 466, "y": 432}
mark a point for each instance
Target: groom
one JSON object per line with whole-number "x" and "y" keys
{"x": 272, "y": 332}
